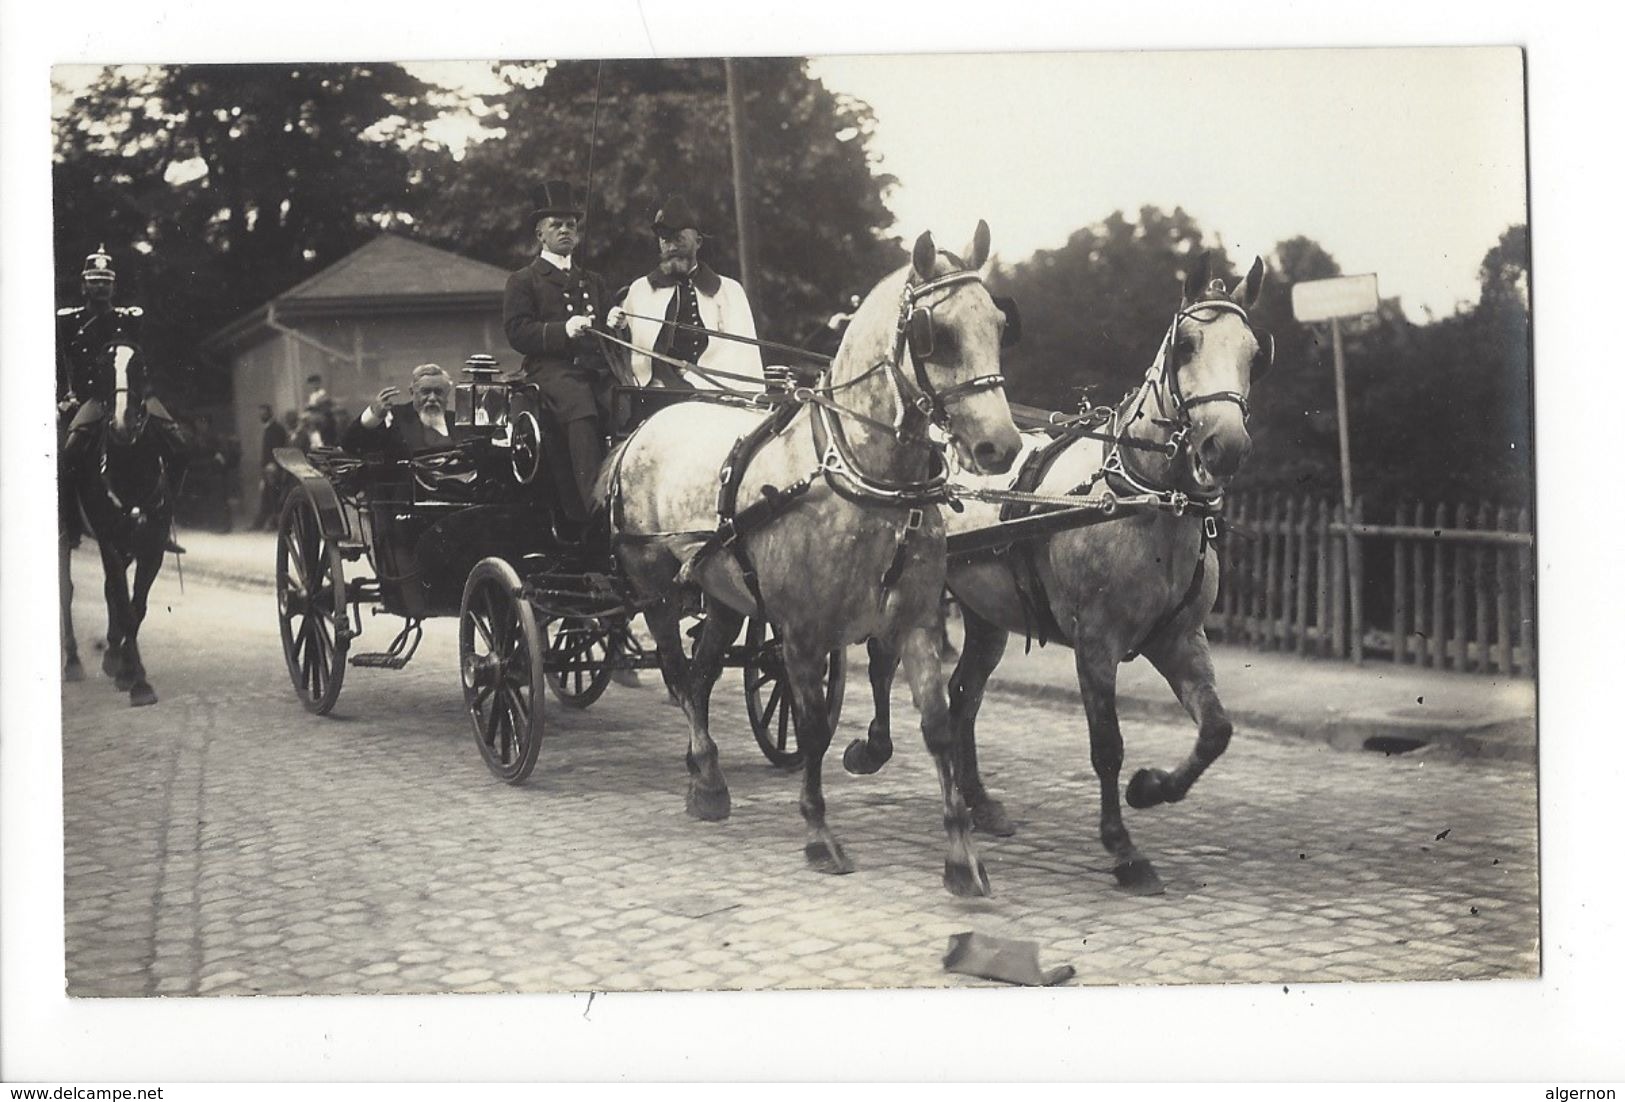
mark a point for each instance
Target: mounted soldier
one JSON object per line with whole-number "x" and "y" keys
{"x": 87, "y": 339}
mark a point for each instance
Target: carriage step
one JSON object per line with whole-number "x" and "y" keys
{"x": 380, "y": 660}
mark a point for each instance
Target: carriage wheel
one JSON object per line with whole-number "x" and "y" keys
{"x": 767, "y": 694}
{"x": 578, "y": 660}
{"x": 310, "y": 604}
{"x": 501, "y": 650}
{"x": 525, "y": 448}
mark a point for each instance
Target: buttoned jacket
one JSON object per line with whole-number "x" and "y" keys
{"x": 723, "y": 308}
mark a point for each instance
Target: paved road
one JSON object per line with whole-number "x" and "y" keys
{"x": 225, "y": 842}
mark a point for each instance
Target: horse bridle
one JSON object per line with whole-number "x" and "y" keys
{"x": 916, "y": 330}
{"x": 1169, "y": 370}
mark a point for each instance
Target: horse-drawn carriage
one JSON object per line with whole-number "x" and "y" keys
{"x": 473, "y": 531}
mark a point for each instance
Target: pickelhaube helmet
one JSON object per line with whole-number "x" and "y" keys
{"x": 98, "y": 267}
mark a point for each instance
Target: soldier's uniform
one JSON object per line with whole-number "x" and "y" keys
{"x": 571, "y": 375}
{"x": 85, "y": 338}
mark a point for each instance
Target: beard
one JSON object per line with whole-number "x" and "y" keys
{"x": 677, "y": 264}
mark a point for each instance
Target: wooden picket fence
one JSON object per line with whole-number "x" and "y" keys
{"x": 1444, "y": 587}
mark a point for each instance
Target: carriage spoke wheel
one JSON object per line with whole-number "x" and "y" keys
{"x": 578, "y": 654}
{"x": 525, "y": 448}
{"x": 501, "y": 650}
{"x": 310, "y": 604}
{"x": 767, "y": 694}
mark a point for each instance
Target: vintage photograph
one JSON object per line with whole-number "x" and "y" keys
{"x": 843, "y": 522}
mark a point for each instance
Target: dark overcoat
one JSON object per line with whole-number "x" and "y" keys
{"x": 400, "y": 435}
{"x": 573, "y": 375}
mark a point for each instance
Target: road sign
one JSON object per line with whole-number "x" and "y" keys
{"x": 1342, "y": 297}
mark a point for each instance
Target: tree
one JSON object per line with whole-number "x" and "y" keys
{"x": 217, "y": 187}
{"x": 1095, "y": 310}
{"x": 661, "y": 127}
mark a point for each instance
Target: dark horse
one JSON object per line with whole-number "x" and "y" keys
{"x": 120, "y": 483}
{"x": 1140, "y": 584}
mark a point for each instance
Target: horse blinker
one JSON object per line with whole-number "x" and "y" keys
{"x": 922, "y": 334}
{"x": 1012, "y": 321}
{"x": 1266, "y": 355}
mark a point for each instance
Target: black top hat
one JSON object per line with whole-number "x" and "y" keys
{"x": 556, "y": 197}
{"x": 675, "y": 214}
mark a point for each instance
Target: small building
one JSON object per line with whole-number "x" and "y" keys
{"x": 362, "y": 323}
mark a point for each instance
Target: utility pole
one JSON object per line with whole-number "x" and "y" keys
{"x": 746, "y": 222}
{"x": 1331, "y": 300}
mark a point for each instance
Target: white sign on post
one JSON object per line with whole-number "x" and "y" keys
{"x": 1342, "y": 297}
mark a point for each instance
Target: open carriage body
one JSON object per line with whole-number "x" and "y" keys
{"x": 473, "y": 531}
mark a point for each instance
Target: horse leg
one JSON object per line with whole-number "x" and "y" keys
{"x": 867, "y": 755}
{"x": 116, "y": 588}
{"x": 72, "y": 669}
{"x": 1097, "y": 680}
{"x": 663, "y": 620}
{"x": 151, "y": 560}
{"x": 804, "y": 669}
{"x": 984, "y": 647}
{"x": 708, "y": 797}
{"x": 1188, "y": 667}
{"x": 962, "y": 871}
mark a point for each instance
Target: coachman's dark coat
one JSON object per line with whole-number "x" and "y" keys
{"x": 573, "y": 375}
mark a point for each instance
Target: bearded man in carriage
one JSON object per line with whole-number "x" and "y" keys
{"x": 669, "y": 310}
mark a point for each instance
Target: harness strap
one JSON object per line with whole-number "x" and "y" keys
{"x": 1212, "y": 528}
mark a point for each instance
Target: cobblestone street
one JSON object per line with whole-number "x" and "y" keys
{"x": 224, "y": 842}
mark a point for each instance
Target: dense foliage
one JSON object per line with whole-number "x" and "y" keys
{"x": 218, "y": 187}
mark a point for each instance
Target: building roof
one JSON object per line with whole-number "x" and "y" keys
{"x": 387, "y": 275}
{"x": 390, "y": 267}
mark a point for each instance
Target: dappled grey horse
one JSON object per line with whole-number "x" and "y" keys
{"x": 1141, "y": 582}
{"x": 830, "y": 528}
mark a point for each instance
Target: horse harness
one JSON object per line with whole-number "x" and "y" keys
{"x": 837, "y": 465}
{"x": 1121, "y": 480}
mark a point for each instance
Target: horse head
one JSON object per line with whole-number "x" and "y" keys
{"x": 1211, "y": 357}
{"x": 129, "y": 412}
{"x": 953, "y": 332}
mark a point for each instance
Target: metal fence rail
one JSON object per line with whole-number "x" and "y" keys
{"x": 1444, "y": 587}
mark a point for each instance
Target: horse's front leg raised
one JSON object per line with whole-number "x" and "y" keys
{"x": 708, "y": 797}
{"x": 805, "y": 667}
{"x": 1188, "y": 666}
{"x": 984, "y": 647}
{"x": 1097, "y": 680}
{"x": 867, "y": 755}
{"x": 962, "y": 871}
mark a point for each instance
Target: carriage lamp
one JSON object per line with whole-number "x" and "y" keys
{"x": 481, "y": 401}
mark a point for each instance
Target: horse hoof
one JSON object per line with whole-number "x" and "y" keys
{"x": 989, "y": 817}
{"x": 110, "y": 663}
{"x": 141, "y": 695}
{"x": 709, "y": 805}
{"x": 966, "y": 881}
{"x": 123, "y": 682}
{"x": 827, "y": 858}
{"x": 860, "y": 759}
{"x": 1145, "y": 789}
{"x": 1138, "y": 877}
{"x": 73, "y": 671}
